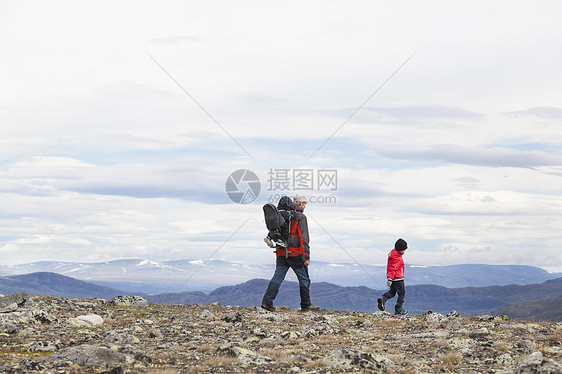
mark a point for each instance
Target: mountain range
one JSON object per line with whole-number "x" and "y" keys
{"x": 466, "y": 300}
{"x": 532, "y": 301}
{"x": 152, "y": 277}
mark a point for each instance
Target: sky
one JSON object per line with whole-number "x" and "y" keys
{"x": 438, "y": 122}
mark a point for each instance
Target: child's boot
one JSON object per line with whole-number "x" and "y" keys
{"x": 381, "y": 301}
{"x": 269, "y": 242}
{"x": 400, "y": 311}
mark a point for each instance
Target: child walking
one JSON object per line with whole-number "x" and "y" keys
{"x": 395, "y": 276}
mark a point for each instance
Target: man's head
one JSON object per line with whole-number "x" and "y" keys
{"x": 400, "y": 245}
{"x": 300, "y": 201}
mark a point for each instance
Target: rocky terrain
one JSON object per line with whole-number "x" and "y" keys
{"x": 129, "y": 335}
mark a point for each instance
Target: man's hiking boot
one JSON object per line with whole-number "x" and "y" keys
{"x": 401, "y": 311}
{"x": 269, "y": 307}
{"x": 310, "y": 308}
{"x": 380, "y": 301}
{"x": 269, "y": 242}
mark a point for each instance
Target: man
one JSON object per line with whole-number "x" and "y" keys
{"x": 296, "y": 256}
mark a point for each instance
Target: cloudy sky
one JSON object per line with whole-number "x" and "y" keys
{"x": 122, "y": 121}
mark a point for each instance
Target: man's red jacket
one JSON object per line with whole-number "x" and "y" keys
{"x": 298, "y": 237}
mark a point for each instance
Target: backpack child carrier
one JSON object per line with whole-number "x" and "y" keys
{"x": 277, "y": 221}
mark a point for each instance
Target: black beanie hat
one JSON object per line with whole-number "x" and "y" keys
{"x": 400, "y": 245}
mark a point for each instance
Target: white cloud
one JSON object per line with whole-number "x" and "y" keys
{"x": 451, "y": 153}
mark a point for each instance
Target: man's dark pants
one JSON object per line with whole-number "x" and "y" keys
{"x": 301, "y": 271}
{"x": 397, "y": 287}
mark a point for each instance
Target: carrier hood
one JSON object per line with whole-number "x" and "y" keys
{"x": 285, "y": 203}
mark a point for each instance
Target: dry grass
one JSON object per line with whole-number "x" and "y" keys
{"x": 374, "y": 347}
{"x": 278, "y": 354}
{"x": 451, "y": 358}
{"x": 327, "y": 340}
{"x": 206, "y": 348}
{"x": 403, "y": 371}
{"x": 198, "y": 369}
{"x": 394, "y": 351}
{"x": 398, "y": 359}
{"x": 272, "y": 344}
{"x": 556, "y": 337}
{"x": 213, "y": 363}
{"x": 502, "y": 346}
{"x": 317, "y": 364}
{"x": 222, "y": 361}
{"x": 440, "y": 343}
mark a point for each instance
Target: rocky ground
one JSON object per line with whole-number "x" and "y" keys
{"x": 129, "y": 335}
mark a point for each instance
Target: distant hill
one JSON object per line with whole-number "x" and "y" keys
{"x": 154, "y": 277}
{"x": 541, "y": 310}
{"x": 467, "y": 300}
{"x": 51, "y": 284}
{"x": 537, "y": 310}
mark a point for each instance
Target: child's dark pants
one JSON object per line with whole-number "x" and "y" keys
{"x": 397, "y": 287}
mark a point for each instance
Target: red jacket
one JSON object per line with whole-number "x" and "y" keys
{"x": 298, "y": 237}
{"x": 395, "y": 265}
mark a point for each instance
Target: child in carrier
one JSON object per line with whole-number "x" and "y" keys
{"x": 279, "y": 230}
{"x": 275, "y": 237}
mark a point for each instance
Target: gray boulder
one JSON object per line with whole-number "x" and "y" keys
{"x": 248, "y": 357}
{"x": 537, "y": 363}
{"x": 22, "y": 300}
{"x": 88, "y": 355}
{"x": 129, "y": 301}
{"x": 89, "y": 320}
{"x": 344, "y": 359}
